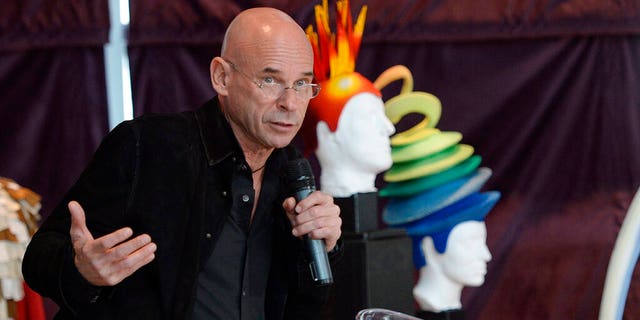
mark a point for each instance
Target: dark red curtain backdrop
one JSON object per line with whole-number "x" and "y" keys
{"x": 548, "y": 92}
{"x": 53, "y": 105}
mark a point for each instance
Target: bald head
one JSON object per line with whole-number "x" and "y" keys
{"x": 263, "y": 45}
{"x": 256, "y": 27}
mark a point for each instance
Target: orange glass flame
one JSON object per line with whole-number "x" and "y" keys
{"x": 335, "y": 54}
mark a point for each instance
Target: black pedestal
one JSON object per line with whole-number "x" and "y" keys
{"x": 376, "y": 271}
{"x": 359, "y": 212}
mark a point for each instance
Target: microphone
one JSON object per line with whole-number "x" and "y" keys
{"x": 302, "y": 183}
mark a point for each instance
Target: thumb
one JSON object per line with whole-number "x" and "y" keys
{"x": 79, "y": 232}
{"x": 289, "y": 205}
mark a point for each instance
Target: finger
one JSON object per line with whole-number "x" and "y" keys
{"x": 136, "y": 260}
{"x": 289, "y": 204}
{"x": 311, "y": 226}
{"x": 330, "y": 244}
{"x": 330, "y": 236}
{"x": 110, "y": 240}
{"x": 114, "y": 272}
{"x": 316, "y": 212}
{"x": 78, "y": 231}
{"x": 125, "y": 249}
{"x": 328, "y": 233}
{"x": 314, "y": 199}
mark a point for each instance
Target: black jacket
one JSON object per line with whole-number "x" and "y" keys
{"x": 154, "y": 174}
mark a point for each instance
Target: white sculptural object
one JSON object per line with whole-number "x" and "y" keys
{"x": 358, "y": 150}
{"x": 464, "y": 263}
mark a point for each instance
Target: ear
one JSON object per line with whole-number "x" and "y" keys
{"x": 324, "y": 135}
{"x": 218, "y": 76}
{"x": 430, "y": 253}
{"x": 327, "y": 150}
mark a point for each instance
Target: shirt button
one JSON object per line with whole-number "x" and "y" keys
{"x": 244, "y": 293}
{"x": 208, "y": 235}
{"x": 245, "y": 198}
{"x": 224, "y": 193}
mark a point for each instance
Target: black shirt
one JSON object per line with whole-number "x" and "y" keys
{"x": 233, "y": 282}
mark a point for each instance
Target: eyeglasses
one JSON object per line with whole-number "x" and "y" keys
{"x": 274, "y": 89}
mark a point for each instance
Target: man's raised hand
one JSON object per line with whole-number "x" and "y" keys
{"x": 109, "y": 259}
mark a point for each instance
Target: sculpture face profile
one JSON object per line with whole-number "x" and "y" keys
{"x": 463, "y": 263}
{"x": 450, "y": 251}
{"x": 362, "y": 134}
{"x": 467, "y": 254}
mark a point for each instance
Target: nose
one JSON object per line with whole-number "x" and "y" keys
{"x": 390, "y": 128}
{"x": 386, "y": 125}
{"x": 485, "y": 253}
{"x": 289, "y": 99}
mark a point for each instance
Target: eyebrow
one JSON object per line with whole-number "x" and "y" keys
{"x": 270, "y": 70}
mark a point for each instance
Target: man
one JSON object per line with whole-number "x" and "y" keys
{"x": 186, "y": 216}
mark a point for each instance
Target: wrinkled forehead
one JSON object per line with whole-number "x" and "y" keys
{"x": 277, "y": 52}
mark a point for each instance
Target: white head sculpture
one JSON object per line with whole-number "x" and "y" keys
{"x": 347, "y": 128}
{"x": 358, "y": 150}
{"x": 464, "y": 263}
{"x": 450, "y": 251}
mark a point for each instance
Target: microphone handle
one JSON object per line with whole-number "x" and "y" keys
{"x": 315, "y": 251}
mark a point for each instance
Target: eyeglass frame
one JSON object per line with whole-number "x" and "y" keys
{"x": 315, "y": 88}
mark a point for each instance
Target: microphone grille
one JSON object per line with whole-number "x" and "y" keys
{"x": 299, "y": 174}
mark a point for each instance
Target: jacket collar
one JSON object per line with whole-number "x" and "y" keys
{"x": 218, "y": 139}
{"x": 219, "y": 142}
